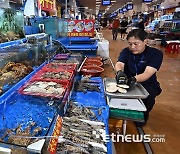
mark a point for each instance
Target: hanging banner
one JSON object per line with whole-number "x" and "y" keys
{"x": 47, "y": 5}
{"x": 81, "y": 28}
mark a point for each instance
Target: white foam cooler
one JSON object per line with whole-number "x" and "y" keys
{"x": 103, "y": 48}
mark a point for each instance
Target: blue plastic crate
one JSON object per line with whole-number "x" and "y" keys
{"x": 91, "y": 98}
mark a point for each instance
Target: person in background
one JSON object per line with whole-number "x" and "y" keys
{"x": 115, "y": 27}
{"x": 97, "y": 26}
{"x": 139, "y": 63}
{"x": 141, "y": 22}
{"x": 123, "y": 24}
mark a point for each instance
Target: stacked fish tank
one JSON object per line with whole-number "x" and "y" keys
{"x": 11, "y": 25}
{"x": 24, "y": 119}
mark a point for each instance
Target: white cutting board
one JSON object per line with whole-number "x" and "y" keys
{"x": 127, "y": 104}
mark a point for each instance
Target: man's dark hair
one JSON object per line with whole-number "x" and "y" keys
{"x": 138, "y": 33}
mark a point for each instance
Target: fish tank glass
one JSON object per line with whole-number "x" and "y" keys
{"x": 11, "y": 25}
{"x": 63, "y": 27}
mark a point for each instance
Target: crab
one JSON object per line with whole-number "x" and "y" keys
{"x": 20, "y": 137}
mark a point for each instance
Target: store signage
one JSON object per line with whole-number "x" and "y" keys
{"x": 120, "y": 11}
{"x": 129, "y": 6}
{"x": 99, "y": 15}
{"x": 81, "y": 28}
{"x": 146, "y": 1}
{"x": 124, "y": 9}
{"x": 115, "y": 14}
{"x": 106, "y": 2}
{"x": 47, "y": 5}
{"x": 56, "y": 132}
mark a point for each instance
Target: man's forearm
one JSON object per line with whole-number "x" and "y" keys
{"x": 119, "y": 66}
{"x": 149, "y": 71}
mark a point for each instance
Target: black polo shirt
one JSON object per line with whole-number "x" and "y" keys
{"x": 136, "y": 63}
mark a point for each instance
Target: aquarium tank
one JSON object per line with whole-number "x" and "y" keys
{"x": 63, "y": 27}
{"x": 11, "y": 25}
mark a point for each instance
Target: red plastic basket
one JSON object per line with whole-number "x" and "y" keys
{"x": 93, "y": 63}
{"x": 59, "y": 67}
{"x": 41, "y": 91}
{"x": 43, "y": 75}
{"x": 92, "y": 70}
{"x": 94, "y": 58}
{"x": 61, "y": 56}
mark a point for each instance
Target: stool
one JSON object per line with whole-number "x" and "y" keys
{"x": 173, "y": 47}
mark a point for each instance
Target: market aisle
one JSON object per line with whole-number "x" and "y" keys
{"x": 165, "y": 118}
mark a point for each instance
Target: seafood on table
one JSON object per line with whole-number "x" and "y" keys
{"x": 9, "y": 36}
{"x": 13, "y": 71}
{"x": 45, "y": 87}
{"x": 83, "y": 86}
{"x": 83, "y": 112}
{"x": 60, "y": 66}
{"x": 81, "y": 136}
{"x": 22, "y": 137}
{"x": 113, "y": 87}
{"x": 57, "y": 75}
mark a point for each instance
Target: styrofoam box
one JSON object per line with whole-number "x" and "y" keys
{"x": 103, "y": 53}
{"x": 103, "y": 45}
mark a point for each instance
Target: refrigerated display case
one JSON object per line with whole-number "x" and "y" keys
{"x": 18, "y": 60}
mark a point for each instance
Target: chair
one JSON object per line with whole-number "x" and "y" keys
{"x": 173, "y": 47}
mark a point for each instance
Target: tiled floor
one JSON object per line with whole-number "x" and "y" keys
{"x": 165, "y": 117}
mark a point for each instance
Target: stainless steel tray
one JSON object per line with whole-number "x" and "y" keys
{"x": 138, "y": 91}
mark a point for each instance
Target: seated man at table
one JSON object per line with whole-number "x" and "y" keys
{"x": 139, "y": 63}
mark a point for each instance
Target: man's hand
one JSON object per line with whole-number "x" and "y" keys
{"x": 121, "y": 77}
{"x": 131, "y": 82}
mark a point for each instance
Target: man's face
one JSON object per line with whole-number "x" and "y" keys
{"x": 136, "y": 45}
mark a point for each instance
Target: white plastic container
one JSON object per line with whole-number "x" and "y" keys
{"x": 103, "y": 45}
{"x": 103, "y": 53}
{"x": 103, "y": 49}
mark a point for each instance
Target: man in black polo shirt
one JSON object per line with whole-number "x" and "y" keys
{"x": 139, "y": 63}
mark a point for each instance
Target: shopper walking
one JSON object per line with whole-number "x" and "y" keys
{"x": 139, "y": 63}
{"x": 115, "y": 27}
{"x": 123, "y": 24}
